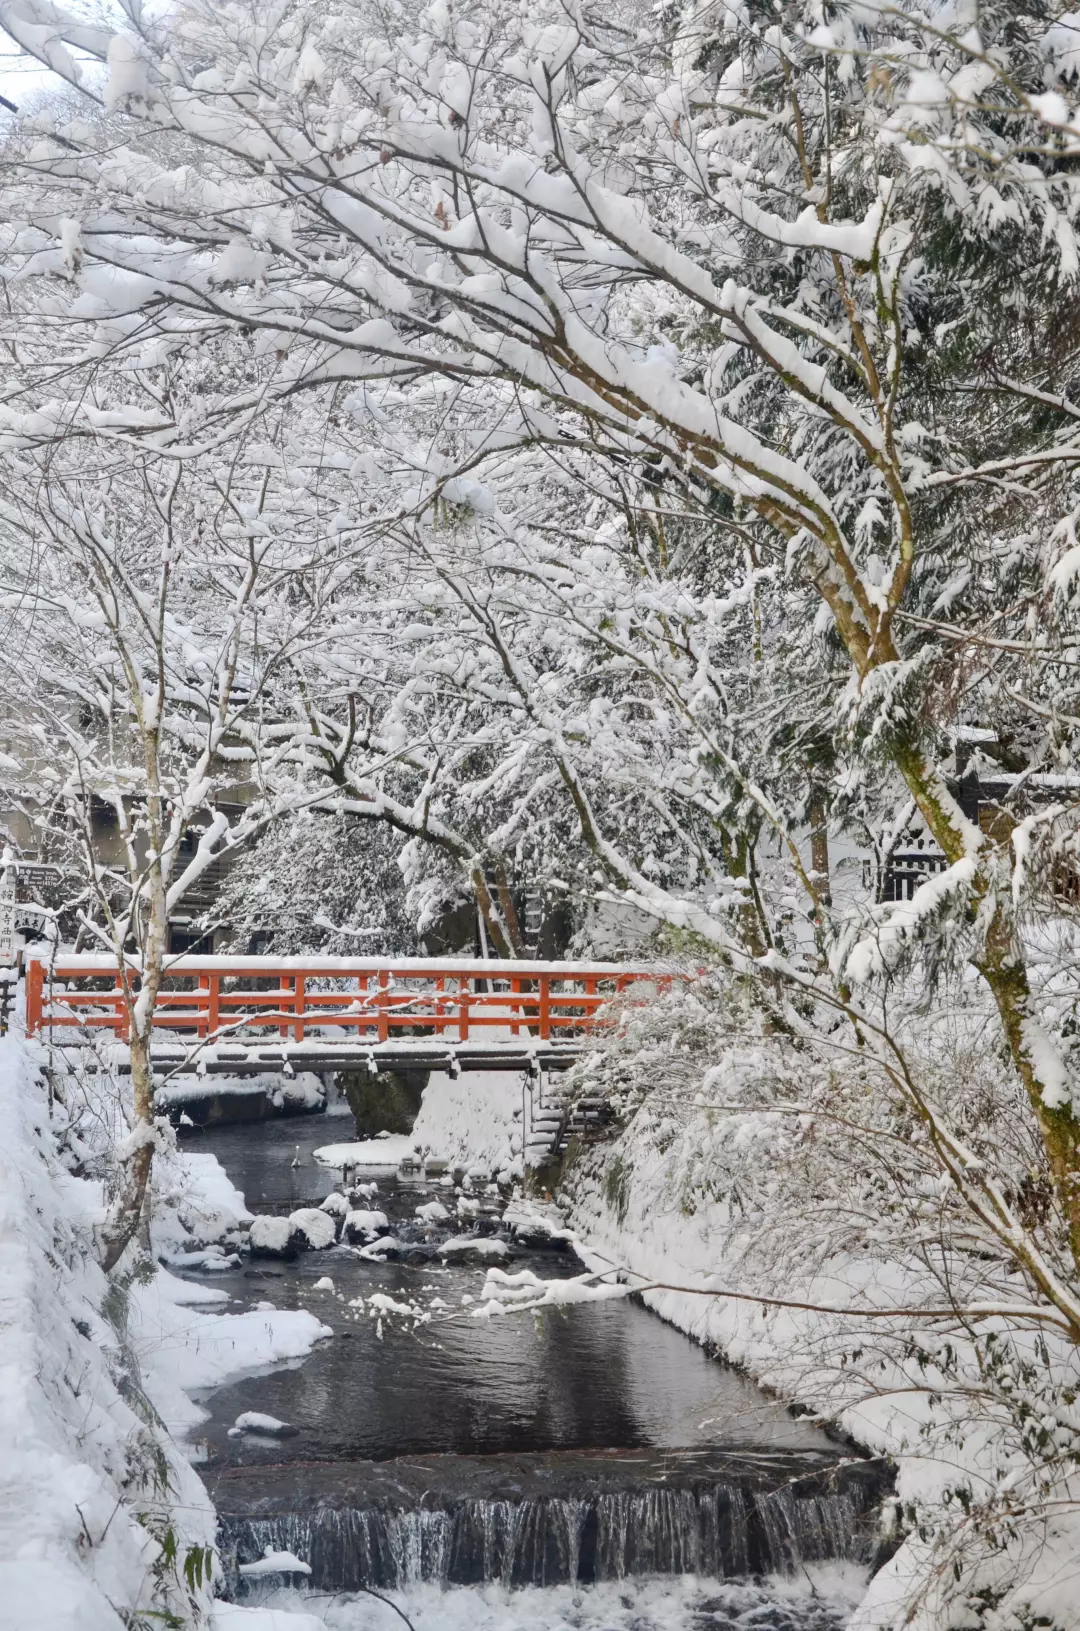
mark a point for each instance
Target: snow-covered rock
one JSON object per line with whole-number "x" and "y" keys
{"x": 313, "y": 1227}
{"x": 365, "y": 1225}
{"x": 335, "y": 1203}
{"x": 432, "y": 1212}
{"x": 271, "y": 1237}
{"x": 254, "y": 1421}
{"x": 534, "y": 1225}
{"x": 473, "y": 1246}
{"x": 211, "y": 1261}
{"x": 383, "y": 1247}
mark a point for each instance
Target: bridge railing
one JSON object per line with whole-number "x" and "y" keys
{"x": 368, "y": 999}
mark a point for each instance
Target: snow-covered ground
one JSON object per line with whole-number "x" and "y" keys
{"x": 626, "y": 1203}
{"x": 472, "y": 1120}
{"x": 100, "y": 1507}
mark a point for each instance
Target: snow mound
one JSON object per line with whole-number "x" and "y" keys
{"x": 73, "y": 1449}
{"x": 184, "y": 1349}
{"x": 469, "y": 1119}
{"x": 302, "y": 1091}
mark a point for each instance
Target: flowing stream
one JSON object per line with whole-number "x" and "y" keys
{"x": 552, "y": 1469}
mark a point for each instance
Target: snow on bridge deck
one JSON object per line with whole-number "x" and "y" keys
{"x": 237, "y": 1014}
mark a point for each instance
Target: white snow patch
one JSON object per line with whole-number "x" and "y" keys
{"x": 368, "y": 1152}
{"x": 273, "y": 1562}
{"x": 253, "y": 1421}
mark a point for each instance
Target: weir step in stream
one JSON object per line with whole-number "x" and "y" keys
{"x": 560, "y": 1518}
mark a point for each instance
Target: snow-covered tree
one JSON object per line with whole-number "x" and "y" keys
{"x": 146, "y": 605}
{"x": 701, "y": 388}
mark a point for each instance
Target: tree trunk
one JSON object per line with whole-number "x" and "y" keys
{"x": 819, "y": 844}
{"x": 126, "y": 1212}
{"x": 1002, "y": 967}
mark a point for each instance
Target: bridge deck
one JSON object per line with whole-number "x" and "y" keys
{"x": 230, "y": 1059}
{"x": 263, "y": 1013}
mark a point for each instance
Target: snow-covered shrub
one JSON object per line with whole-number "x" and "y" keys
{"x": 320, "y": 883}
{"x": 815, "y": 1168}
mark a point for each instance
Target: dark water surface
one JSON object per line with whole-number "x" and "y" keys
{"x": 604, "y": 1376}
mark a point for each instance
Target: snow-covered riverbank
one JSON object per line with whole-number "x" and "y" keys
{"x": 104, "y": 1522}
{"x": 641, "y": 1203}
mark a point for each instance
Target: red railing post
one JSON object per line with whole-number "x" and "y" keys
{"x": 545, "y": 1007}
{"x": 35, "y": 985}
{"x": 202, "y": 1022}
{"x": 464, "y": 994}
{"x": 298, "y": 1027}
{"x": 213, "y": 1005}
{"x": 383, "y": 1001}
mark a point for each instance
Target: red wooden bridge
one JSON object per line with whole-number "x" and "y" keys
{"x": 259, "y": 1013}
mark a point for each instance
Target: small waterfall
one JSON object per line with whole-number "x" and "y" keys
{"x": 721, "y": 1530}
